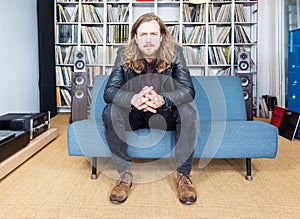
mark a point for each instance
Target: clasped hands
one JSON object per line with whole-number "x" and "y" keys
{"x": 147, "y": 100}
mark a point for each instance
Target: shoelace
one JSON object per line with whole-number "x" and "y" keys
{"x": 124, "y": 178}
{"x": 184, "y": 179}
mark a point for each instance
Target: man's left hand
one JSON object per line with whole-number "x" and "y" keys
{"x": 151, "y": 100}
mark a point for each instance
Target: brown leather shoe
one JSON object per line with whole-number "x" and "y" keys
{"x": 186, "y": 191}
{"x": 120, "y": 192}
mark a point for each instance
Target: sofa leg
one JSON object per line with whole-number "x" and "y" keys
{"x": 248, "y": 168}
{"x": 94, "y": 168}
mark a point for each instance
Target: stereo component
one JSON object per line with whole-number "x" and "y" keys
{"x": 243, "y": 61}
{"x": 34, "y": 123}
{"x": 247, "y": 85}
{"x": 79, "y": 97}
{"x": 79, "y": 62}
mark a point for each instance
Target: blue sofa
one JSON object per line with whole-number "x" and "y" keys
{"x": 224, "y": 131}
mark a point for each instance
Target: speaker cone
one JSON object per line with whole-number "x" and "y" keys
{"x": 79, "y": 80}
{"x": 79, "y": 94}
{"x": 243, "y": 55}
{"x": 246, "y": 95}
{"x": 245, "y": 81}
{"x": 79, "y": 64}
{"x": 79, "y": 55}
{"x": 243, "y": 65}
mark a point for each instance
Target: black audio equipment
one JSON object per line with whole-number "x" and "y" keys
{"x": 13, "y": 144}
{"x": 247, "y": 85}
{"x": 244, "y": 61}
{"x": 79, "y": 88}
{"x": 34, "y": 123}
{"x": 6, "y": 135}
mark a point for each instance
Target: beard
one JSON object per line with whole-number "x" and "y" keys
{"x": 149, "y": 49}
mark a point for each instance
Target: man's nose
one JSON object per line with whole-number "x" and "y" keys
{"x": 148, "y": 38}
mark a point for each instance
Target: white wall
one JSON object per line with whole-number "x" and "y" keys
{"x": 19, "y": 70}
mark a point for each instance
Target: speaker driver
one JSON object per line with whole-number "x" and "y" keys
{"x": 79, "y": 80}
{"x": 79, "y": 94}
{"x": 79, "y": 55}
{"x": 243, "y": 55}
{"x": 245, "y": 81}
{"x": 79, "y": 64}
{"x": 244, "y": 65}
{"x": 246, "y": 95}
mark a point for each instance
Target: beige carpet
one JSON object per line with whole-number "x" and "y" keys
{"x": 53, "y": 185}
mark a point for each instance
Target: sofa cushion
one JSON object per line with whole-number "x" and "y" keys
{"x": 86, "y": 138}
{"x": 219, "y": 98}
{"x": 218, "y": 139}
{"x": 237, "y": 139}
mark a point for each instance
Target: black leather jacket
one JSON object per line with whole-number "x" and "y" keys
{"x": 176, "y": 84}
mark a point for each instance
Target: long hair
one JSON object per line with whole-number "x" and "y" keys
{"x": 133, "y": 57}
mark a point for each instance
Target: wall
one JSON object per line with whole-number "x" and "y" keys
{"x": 19, "y": 57}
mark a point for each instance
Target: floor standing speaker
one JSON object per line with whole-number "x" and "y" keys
{"x": 247, "y": 85}
{"x": 79, "y": 88}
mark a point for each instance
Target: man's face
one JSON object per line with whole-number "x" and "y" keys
{"x": 148, "y": 38}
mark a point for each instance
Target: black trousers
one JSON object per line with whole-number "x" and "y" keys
{"x": 182, "y": 119}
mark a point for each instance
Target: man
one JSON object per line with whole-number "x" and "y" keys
{"x": 150, "y": 78}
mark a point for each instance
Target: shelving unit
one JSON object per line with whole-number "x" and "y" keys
{"x": 292, "y": 14}
{"x": 211, "y": 34}
{"x": 293, "y": 80}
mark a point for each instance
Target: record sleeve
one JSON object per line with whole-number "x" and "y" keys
{"x": 289, "y": 124}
